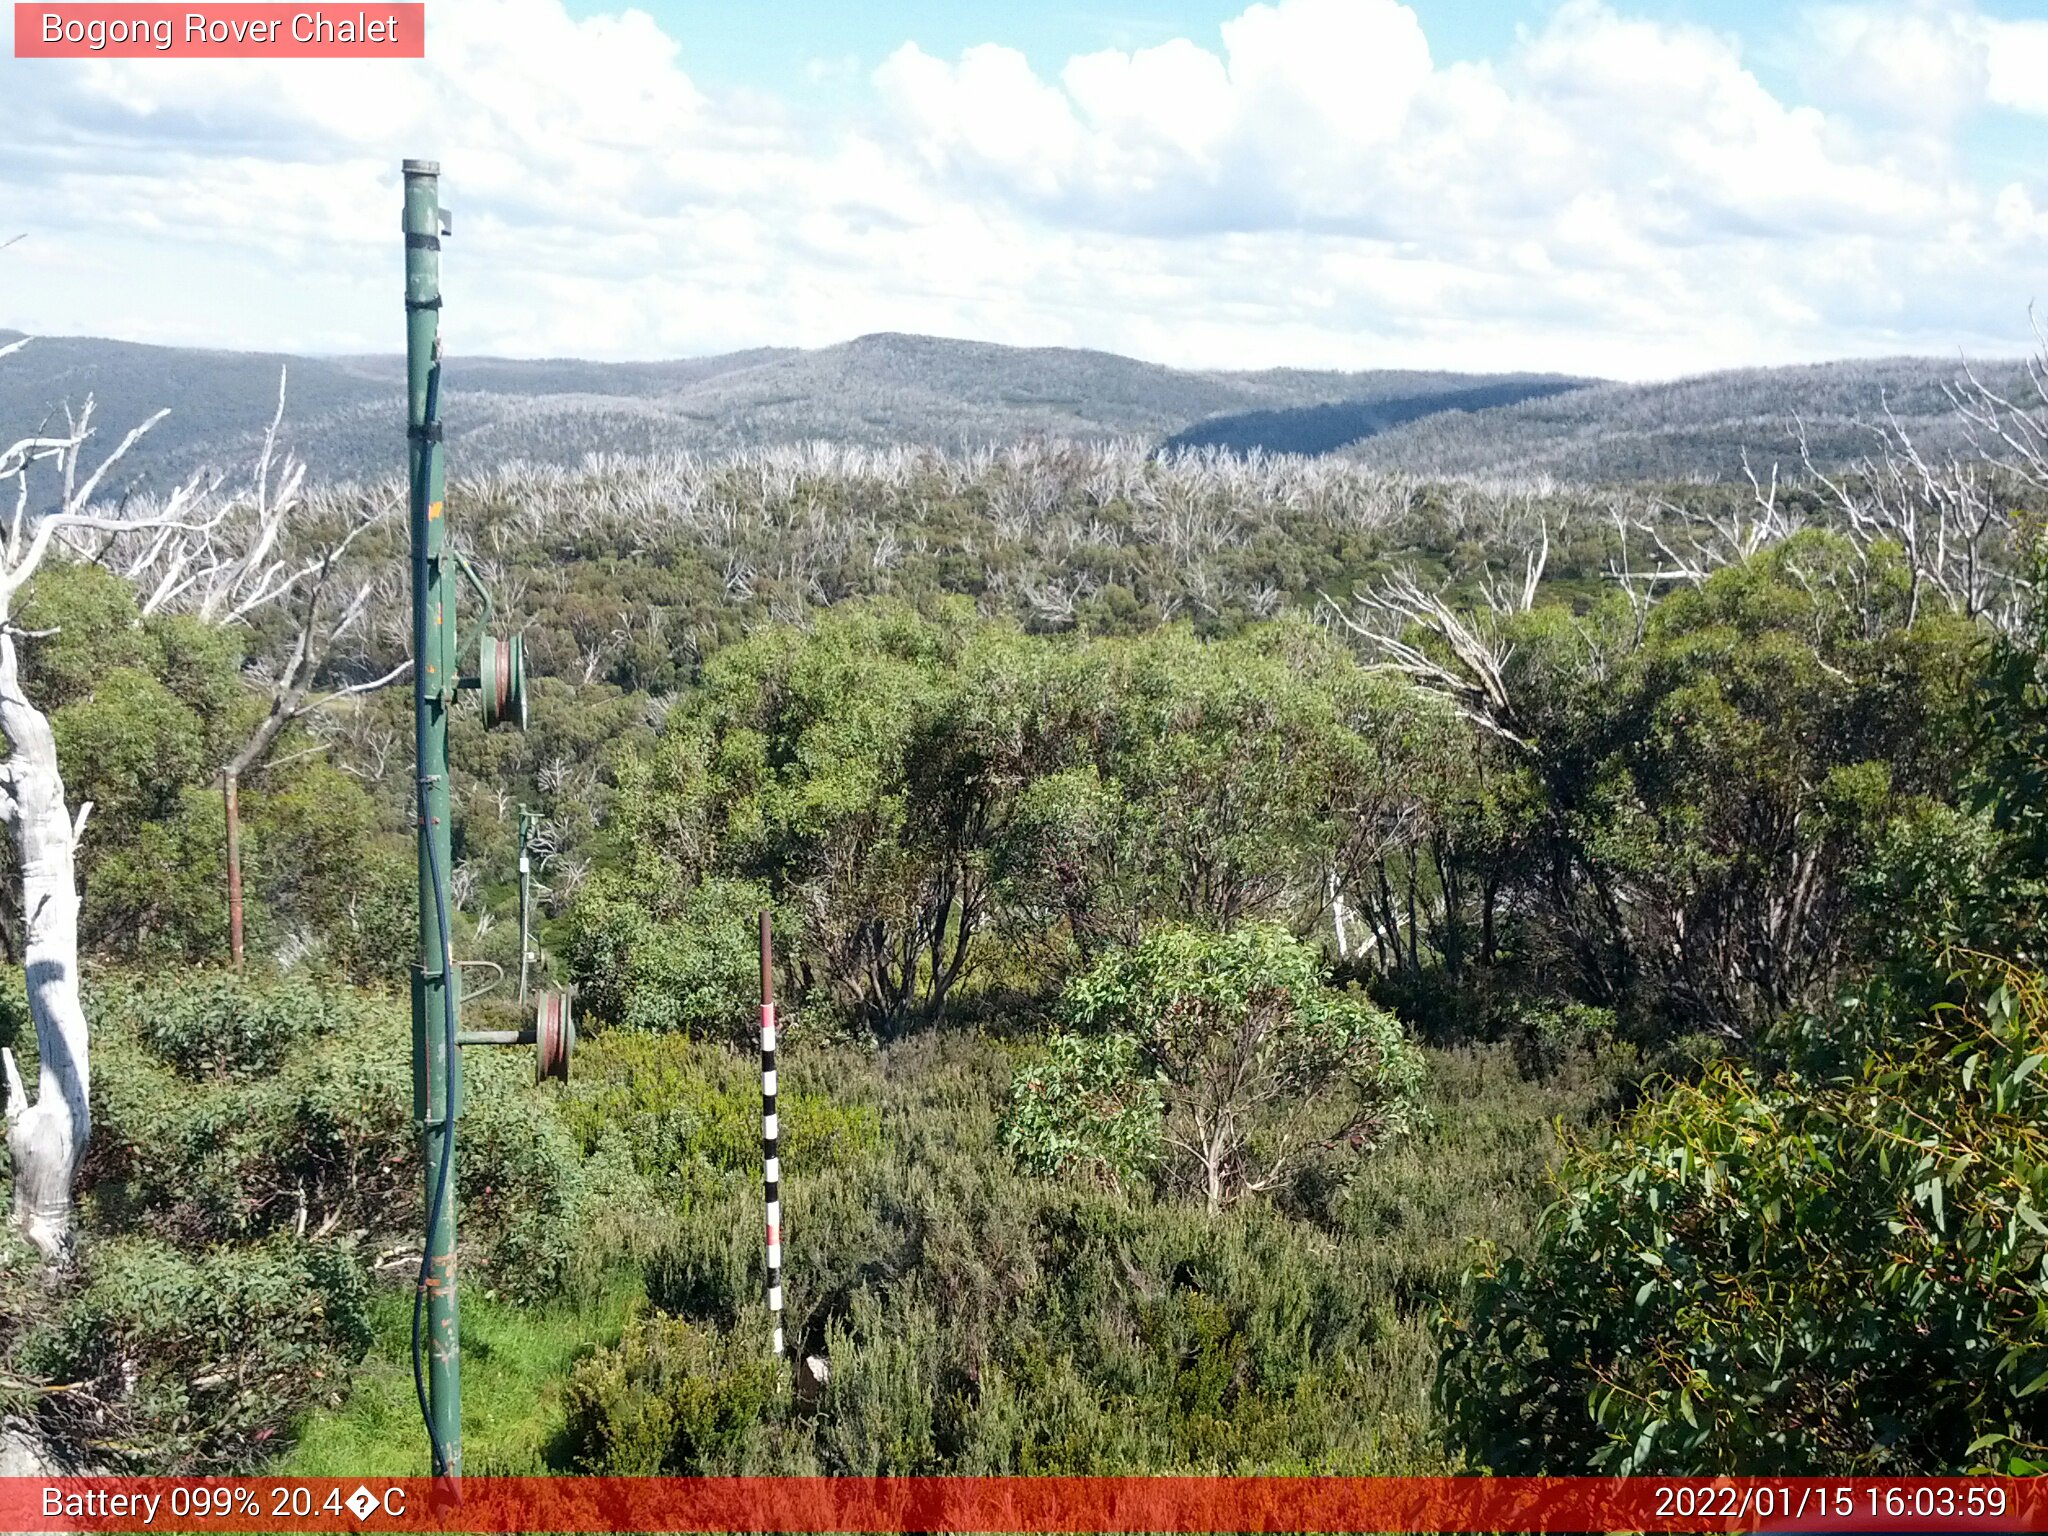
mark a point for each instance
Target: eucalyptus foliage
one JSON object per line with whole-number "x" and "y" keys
{"x": 1834, "y": 1266}
{"x": 1260, "y": 1068}
{"x": 1087, "y": 1109}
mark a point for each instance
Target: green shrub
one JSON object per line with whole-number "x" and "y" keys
{"x": 1548, "y": 1036}
{"x": 1010, "y": 1326}
{"x": 325, "y": 1143}
{"x": 882, "y": 1409}
{"x": 372, "y": 942}
{"x": 679, "y": 1105}
{"x": 979, "y": 1321}
{"x": 211, "y": 1024}
{"x": 1085, "y": 1109}
{"x": 322, "y": 1143}
{"x": 672, "y": 1398}
{"x": 252, "y": 1137}
{"x": 17, "y": 1023}
{"x": 713, "y": 1265}
{"x": 695, "y": 973}
{"x": 524, "y": 1188}
{"x": 1833, "y": 1265}
{"x": 1263, "y": 1070}
{"x": 173, "y": 1365}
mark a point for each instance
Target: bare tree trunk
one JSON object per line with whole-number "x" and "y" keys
{"x": 230, "y": 792}
{"x": 48, "y": 1137}
{"x": 290, "y": 698}
{"x": 1215, "y": 1145}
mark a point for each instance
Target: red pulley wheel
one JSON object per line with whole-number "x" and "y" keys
{"x": 501, "y": 679}
{"x": 554, "y": 1037}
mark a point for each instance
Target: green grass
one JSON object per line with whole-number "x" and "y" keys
{"x": 515, "y": 1361}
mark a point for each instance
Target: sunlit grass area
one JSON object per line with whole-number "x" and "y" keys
{"x": 515, "y": 1363}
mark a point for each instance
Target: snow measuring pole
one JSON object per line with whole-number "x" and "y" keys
{"x": 436, "y": 1060}
{"x": 771, "y": 1136}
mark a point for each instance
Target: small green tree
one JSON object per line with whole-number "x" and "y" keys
{"x": 688, "y": 967}
{"x": 1088, "y": 1108}
{"x": 1700, "y": 778}
{"x": 821, "y": 764}
{"x": 1260, "y": 1065}
{"x": 1229, "y": 757}
{"x": 1831, "y": 1266}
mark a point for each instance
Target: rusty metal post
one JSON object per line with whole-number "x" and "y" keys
{"x": 230, "y": 790}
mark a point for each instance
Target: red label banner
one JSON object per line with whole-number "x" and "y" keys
{"x": 218, "y": 31}
{"x": 1025, "y": 1504}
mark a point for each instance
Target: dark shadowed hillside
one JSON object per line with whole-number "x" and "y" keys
{"x": 1325, "y": 428}
{"x": 1688, "y": 428}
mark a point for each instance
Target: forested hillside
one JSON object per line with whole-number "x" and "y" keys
{"x": 876, "y": 391}
{"x": 1287, "y": 968}
{"x": 886, "y": 391}
{"x": 1835, "y": 413}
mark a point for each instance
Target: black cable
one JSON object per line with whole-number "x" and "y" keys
{"x": 434, "y": 1206}
{"x": 439, "y": 1198}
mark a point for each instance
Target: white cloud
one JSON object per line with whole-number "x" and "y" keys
{"x": 1915, "y": 65}
{"x": 989, "y": 111}
{"x": 1309, "y": 185}
{"x": 1329, "y": 114}
{"x": 1921, "y": 63}
{"x": 2017, "y": 59}
{"x": 1350, "y": 68}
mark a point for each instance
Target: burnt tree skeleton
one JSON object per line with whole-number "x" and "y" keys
{"x": 248, "y": 563}
{"x": 47, "y": 1135}
{"x": 190, "y": 551}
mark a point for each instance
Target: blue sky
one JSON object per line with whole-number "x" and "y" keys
{"x": 1635, "y": 188}
{"x": 768, "y": 47}
{"x": 765, "y": 46}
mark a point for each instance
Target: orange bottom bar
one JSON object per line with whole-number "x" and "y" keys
{"x": 942, "y": 1504}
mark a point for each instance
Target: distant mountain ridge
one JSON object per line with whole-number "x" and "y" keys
{"x": 1694, "y": 427}
{"x": 876, "y": 390}
{"x": 343, "y": 413}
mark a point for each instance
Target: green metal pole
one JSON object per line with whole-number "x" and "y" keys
{"x": 437, "y": 1066}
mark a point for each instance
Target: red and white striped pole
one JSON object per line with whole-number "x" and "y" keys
{"x": 771, "y": 1163}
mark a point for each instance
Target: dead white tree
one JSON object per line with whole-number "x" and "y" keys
{"x": 1946, "y": 516}
{"x": 1463, "y": 656}
{"x": 320, "y": 626}
{"x": 2009, "y": 428}
{"x": 191, "y": 551}
{"x": 1688, "y": 544}
{"x": 261, "y": 554}
{"x": 47, "y": 1137}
